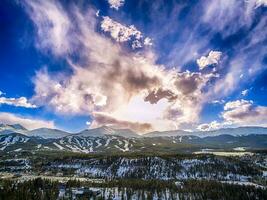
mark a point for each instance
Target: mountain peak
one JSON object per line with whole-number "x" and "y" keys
{"x": 107, "y": 130}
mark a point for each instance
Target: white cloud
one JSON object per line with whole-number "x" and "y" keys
{"x": 97, "y": 13}
{"x": 128, "y": 87}
{"x": 213, "y": 58}
{"x": 244, "y": 92}
{"x": 238, "y": 113}
{"x": 122, "y": 33}
{"x": 1, "y": 93}
{"x": 214, "y": 125}
{"x": 258, "y": 3}
{"x": 18, "y": 102}
{"x": 29, "y": 123}
{"x": 148, "y": 41}
{"x": 244, "y": 112}
{"x": 116, "y": 4}
{"x": 52, "y": 25}
{"x": 236, "y": 104}
{"x": 218, "y": 101}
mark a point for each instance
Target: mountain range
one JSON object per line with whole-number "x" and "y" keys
{"x": 106, "y": 139}
{"x": 48, "y": 133}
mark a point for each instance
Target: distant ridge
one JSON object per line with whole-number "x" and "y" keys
{"x": 107, "y": 131}
{"x": 47, "y": 133}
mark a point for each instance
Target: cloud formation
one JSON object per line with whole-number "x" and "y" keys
{"x": 113, "y": 81}
{"x": 259, "y": 3}
{"x": 213, "y": 58}
{"x": 244, "y": 112}
{"x": 127, "y": 88}
{"x": 116, "y": 4}
{"x": 122, "y": 33}
{"x": 214, "y": 125}
{"x": 29, "y": 123}
{"x": 244, "y": 92}
{"x": 18, "y": 102}
{"x": 102, "y": 118}
{"x": 52, "y": 25}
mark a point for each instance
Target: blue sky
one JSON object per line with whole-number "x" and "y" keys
{"x": 143, "y": 65}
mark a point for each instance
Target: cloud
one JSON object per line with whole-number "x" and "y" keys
{"x": 213, "y": 58}
{"x": 259, "y": 3}
{"x": 1, "y": 93}
{"x": 214, "y": 125}
{"x": 244, "y": 92}
{"x": 116, "y": 4}
{"x": 29, "y": 123}
{"x": 127, "y": 87}
{"x": 18, "y": 102}
{"x": 148, "y": 41}
{"x": 52, "y": 25}
{"x": 156, "y": 95}
{"x": 102, "y": 118}
{"x": 122, "y": 33}
{"x": 244, "y": 112}
{"x": 221, "y": 101}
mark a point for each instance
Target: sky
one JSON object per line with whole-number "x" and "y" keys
{"x": 141, "y": 65}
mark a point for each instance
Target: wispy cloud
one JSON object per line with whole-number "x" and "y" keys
{"x": 244, "y": 92}
{"x": 18, "y": 102}
{"x": 117, "y": 81}
{"x": 53, "y": 25}
{"x": 29, "y": 123}
{"x": 114, "y": 78}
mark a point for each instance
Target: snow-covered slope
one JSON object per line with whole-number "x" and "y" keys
{"x": 47, "y": 133}
{"x": 104, "y": 130}
{"x": 234, "y": 131}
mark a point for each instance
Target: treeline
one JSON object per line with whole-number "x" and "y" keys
{"x": 37, "y": 189}
{"x": 128, "y": 188}
{"x": 159, "y": 167}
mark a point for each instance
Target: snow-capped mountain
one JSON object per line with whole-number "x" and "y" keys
{"x": 224, "y": 131}
{"x": 234, "y": 131}
{"x": 106, "y": 139}
{"x": 111, "y": 143}
{"x": 167, "y": 133}
{"x": 105, "y": 130}
{"x": 47, "y": 133}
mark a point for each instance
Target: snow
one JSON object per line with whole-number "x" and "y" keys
{"x": 224, "y": 153}
{"x": 245, "y": 183}
{"x": 11, "y": 140}
{"x": 58, "y": 146}
{"x": 121, "y": 149}
{"x": 239, "y": 149}
{"x": 107, "y": 142}
{"x": 98, "y": 143}
{"x": 126, "y": 146}
{"x": 17, "y": 150}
